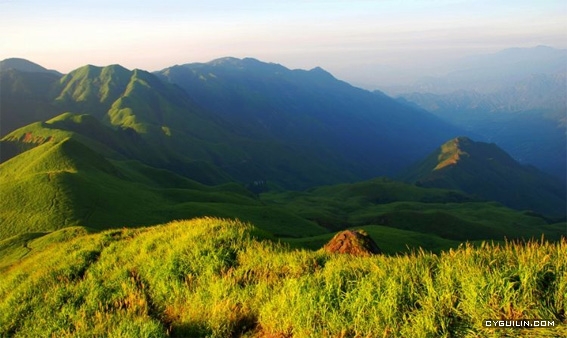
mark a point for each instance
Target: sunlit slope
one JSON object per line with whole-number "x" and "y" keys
{"x": 484, "y": 170}
{"x": 65, "y": 183}
{"x": 219, "y": 278}
{"x": 118, "y": 144}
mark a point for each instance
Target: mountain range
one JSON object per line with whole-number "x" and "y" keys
{"x": 247, "y": 118}
{"x": 296, "y": 152}
{"x": 517, "y": 99}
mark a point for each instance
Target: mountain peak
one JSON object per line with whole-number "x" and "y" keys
{"x": 320, "y": 72}
{"x": 97, "y": 70}
{"x": 456, "y": 150}
{"x": 485, "y": 170}
{"x": 228, "y": 60}
{"x": 24, "y": 65}
{"x": 247, "y": 64}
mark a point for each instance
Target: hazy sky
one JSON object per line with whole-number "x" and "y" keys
{"x": 369, "y": 43}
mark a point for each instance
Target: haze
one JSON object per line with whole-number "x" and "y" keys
{"x": 367, "y": 43}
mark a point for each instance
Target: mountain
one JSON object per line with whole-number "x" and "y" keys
{"x": 338, "y": 124}
{"x": 25, "y": 92}
{"x": 24, "y": 65}
{"x": 485, "y": 170}
{"x": 26, "y": 98}
{"x": 135, "y": 148}
{"x": 527, "y": 118}
{"x": 537, "y": 91}
{"x": 250, "y": 121}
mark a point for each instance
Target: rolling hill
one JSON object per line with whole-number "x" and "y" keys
{"x": 63, "y": 183}
{"x": 72, "y": 170}
{"x": 194, "y": 201}
{"x": 437, "y": 215}
{"x": 134, "y": 148}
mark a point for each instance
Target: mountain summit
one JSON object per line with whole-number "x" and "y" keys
{"x": 485, "y": 170}
{"x": 24, "y": 65}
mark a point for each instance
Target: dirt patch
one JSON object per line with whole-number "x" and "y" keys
{"x": 354, "y": 242}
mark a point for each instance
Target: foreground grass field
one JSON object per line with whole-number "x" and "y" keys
{"x": 222, "y": 278}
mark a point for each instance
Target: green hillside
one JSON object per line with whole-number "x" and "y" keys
{"x": 220, "y": 278}
{"x": 65, "y": 183}
{"x": 486, "y": 171}
{"x": 448, "y": 214}
{"x": 118, "y": 144}
{"x": 66, "y": 178}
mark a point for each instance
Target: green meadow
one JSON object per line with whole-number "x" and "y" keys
{"x": 211, "y": 277}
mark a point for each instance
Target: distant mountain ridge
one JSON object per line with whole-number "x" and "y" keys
{"x": 312, "y": 109}
{"x": 527, "y": 118}
{"x": 485, "y": 170}
{"x": 24, "y": 66}
{"x": 491, "y": 72}
{"x": 251, "y": 120}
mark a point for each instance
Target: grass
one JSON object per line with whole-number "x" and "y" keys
{"x": 61, "y": 184}
{"x": 448, "y": 214}
{"x": 390, "y": 240}
{"x": 218, "y": 278}
{"x": 64, "y": 183}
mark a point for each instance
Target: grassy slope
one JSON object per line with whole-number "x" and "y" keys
{"x": 390, "y": 240}
{"x": 68, "y": 179}
{"x": 65, "y": 183}
{"x": 211, "y": 277}
{"x": 448, "y": 214}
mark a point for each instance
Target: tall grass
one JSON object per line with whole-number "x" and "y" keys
{"x": 220, "y": 278}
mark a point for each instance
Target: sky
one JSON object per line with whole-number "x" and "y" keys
{"x": 367, "y": 43}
